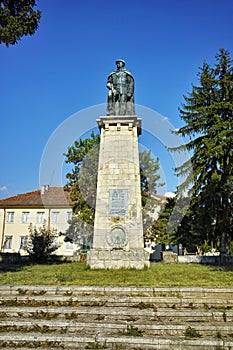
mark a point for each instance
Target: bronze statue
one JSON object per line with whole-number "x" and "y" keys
{"x": 121, "y": 91}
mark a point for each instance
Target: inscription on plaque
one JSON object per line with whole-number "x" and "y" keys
{"x": 118, "y": 202}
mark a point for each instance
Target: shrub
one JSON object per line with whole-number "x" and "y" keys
{"x": 41, "y": 243}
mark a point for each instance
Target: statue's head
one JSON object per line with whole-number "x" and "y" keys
{"x": 120, "y": 63}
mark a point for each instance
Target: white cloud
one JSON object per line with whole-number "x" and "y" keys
{"x": 3, "y": 189}
{"x": 169, "y": 194}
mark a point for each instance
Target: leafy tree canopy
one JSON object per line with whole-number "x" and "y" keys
{"x": 17, "y": 18}
{"x": 82, "y": 182}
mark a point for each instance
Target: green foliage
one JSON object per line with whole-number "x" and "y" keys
{"x": 82, "y": 182}
{"x": 41, "y": 243}
{"x": 17, "y": 18}
{"x": 133, "y": 332}
{"x": 219, "y": 335}
{"x": 208, "y": 116}
{"x": 149, "y": 167}
{"x": 191, "y": 333}
{"x": 230, "y": 249}
{"x": 97, "y": 345}
{"x": 159, "y": 229}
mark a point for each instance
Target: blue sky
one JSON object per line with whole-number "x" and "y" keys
{"x": 63, "y": 68}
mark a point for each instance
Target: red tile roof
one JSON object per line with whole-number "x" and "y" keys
{"x": 55, "y": 197}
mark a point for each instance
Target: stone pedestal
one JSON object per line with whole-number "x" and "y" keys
{"x": 118, "y": 229}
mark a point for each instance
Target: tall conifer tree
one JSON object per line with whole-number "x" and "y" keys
{"x": 208, "y": 116}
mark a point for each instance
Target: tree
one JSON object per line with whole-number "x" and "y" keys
{"x": 82, "y": 183}
{"x": 149, "y": 167}
{"x": 17, "y": 18}
{"x": 41, "y": 243}
{"x": 159, "y": 228}
{"x": 208, "y": 116}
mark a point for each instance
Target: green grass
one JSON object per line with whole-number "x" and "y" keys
{"x": 158, "y": 274}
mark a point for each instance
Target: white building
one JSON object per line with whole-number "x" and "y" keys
{"x": 50, "y": 204}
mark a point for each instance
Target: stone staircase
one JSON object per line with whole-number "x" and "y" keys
{"x": 117, "y": 318}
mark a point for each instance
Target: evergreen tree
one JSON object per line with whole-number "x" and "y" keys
{"x": 208, "y": 116}
{"x": 17, "y": 18}
{"x": 160, "y": 234}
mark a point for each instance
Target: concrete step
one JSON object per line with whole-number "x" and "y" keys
{"x": 114, "y": 301}
{"x": 115, "y": 318}
{"x": 50, "y": 341}
{"x": 179, "y": 292}
{"x": 118, "y": 313}
{"x": 157, "y": 329}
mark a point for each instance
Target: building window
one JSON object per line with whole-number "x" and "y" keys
{"x": 8, "y": 242}
{"x": 69, "y": 215}
{"x": 25, "y": 217}
{"x": 23, "y": 242}
{"x": 40, "y": 217}
{"x": 55, "y": 217}
{"x": 10, "y": 217}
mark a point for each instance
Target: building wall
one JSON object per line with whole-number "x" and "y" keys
{"x": 17, "y": 222}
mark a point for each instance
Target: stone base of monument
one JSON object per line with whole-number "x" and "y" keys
{"x": 116, "y": 259}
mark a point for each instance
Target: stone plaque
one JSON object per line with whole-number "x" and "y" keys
{"x": 118, "y": 202}
{"x": 117, "y": 238}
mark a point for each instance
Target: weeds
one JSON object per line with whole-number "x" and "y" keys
{"x": 31, "y": 345}
{"x": 100, "y": 318}
{"x": 143, "y": 306}
{"x": 191, "y": 306}
{"x": 71, "y": 316}
{"x": 191, "y": 333}
{"x": 39, "y": 315}
{"x": 131, "y": 319}
{"x": 97, "y": 345}
{"x": 219, "y": 335}
{"x": 224, "y": 316}
{"x": 133, "y": 331}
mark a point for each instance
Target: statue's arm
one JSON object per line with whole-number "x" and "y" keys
{"x": 110, "y": 85}
{"x": 130, "y": 82}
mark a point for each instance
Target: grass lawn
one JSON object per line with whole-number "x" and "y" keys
{"x": 159, "y": 274}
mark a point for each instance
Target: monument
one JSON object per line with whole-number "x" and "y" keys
{"x": 118, "y": 228}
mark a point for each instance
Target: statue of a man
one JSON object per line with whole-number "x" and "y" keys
{"x": 121, "y": 91}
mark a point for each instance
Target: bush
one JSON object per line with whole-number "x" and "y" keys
{"x": 41, "y": 243}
